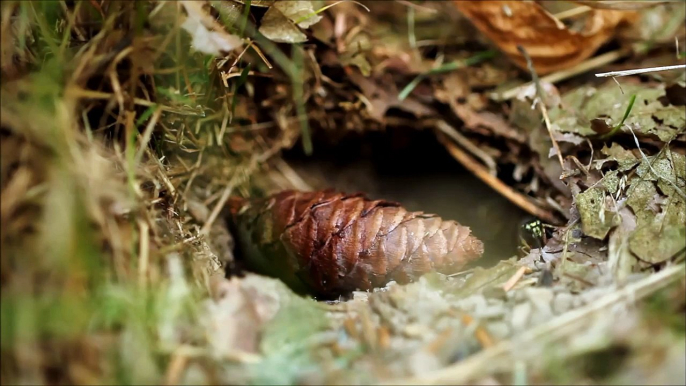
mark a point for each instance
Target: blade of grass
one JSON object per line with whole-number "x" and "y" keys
{"x": 299, "y": 99}
{"x": 452, "y": 66}
{"x": 239, "y": 83}
{"x": 147, "y": 134}
{"x": 621, "y": 123}
{"x": 410, "y": 27}
{"x": 47, "y": 33}
{"x": 244, "y": 18}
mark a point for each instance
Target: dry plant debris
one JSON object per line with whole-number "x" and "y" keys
{"x": 126, "y": 127}
{"x": 552, "y": 45}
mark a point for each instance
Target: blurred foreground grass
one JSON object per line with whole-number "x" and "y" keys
{"x": 87, "y": 297}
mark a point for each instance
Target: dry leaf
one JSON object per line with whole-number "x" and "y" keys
{"x": 239, "y": 308}
{"x": 329, "y": 243}
{"x": 548, "y": 42}
{"x": 300, "y": 12}
{"x": 209, "y": 36}
{"x": 258, "y": 3}
{"x": 279, "y": 22}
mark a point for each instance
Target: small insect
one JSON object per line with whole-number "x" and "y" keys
{"x": 533, "y": 234}
{"x": 537, "y": 233}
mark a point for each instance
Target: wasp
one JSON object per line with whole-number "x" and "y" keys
{"x": 535, "y": 232}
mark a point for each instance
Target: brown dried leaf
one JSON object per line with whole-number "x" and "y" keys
{"x": 550, "y": 44}
{"x": 329, "y": 243}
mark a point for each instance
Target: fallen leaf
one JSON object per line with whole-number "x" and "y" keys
{"x": 648, "y": 116}
{"x": 279, "y": 22}
{"x": 383, "y": 95}
{"x": 624, "y": 158}
{"x": 300, "y": 12}
{"x": 547, "y": 41}
{"x": 596, "y": 217}
{"x": 277, "y": 27}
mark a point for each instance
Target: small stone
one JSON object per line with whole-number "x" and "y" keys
{"x": 563, "y": 302}
{"x": 495, "y": 293}
{"x": 422, "y": 362}
{"x": 541, "y": 298}
{"x": 498, "y": 329}
{"x": 491, "y": 312}
{"x": 520, "y": 316}
{"x": 537, "y": 294}
{"x": 472, "y": 303}
{"x": 516, "y": 295}
{"x": 591, "y": 295}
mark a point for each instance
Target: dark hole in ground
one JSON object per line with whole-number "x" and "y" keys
{"x": 408, "y": 165}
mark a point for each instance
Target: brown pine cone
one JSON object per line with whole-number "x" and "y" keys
{"x": 329, "y": 244}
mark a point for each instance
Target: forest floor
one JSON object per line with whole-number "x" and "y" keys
{"x": 127, "y": 126}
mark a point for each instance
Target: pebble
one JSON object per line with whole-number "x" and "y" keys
{"x": 520, "y": 316}
{"x": 472, "y": 303}
{"x": 422, "y": 362}
{"x": 590, "y": 295}
{"x": 499, "y": 330}
{"x": 516, "y": 295}
{"x": 541, "y": 298}
{"x": 491, "y": 312}
{"x": 563, "y": 302}
{"x": 495, "y": 293}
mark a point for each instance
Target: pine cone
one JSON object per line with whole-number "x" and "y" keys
{"x": 329, "y": 244}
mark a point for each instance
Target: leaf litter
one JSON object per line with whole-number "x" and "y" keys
{"x": 120, "y": 151}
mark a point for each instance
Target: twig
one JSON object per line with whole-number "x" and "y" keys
{"x": 254, "y": 162}
{"x": 417, "y": 6}
{"x": 625, "y": 5}
{"x": 481, "y": 363}
{"x": 176, "y": 367}
{"x": 143, "y": 252}
{"x": 564, "y": 74}
{"x": 640, "y": 71}
{"x": 543, "y": 102}
{"x": 576, "y": 11}
{"x": 483, "y": 174}
{"x": 147, "y": 134}
{"x": 291, "y": 175}
{"x": 450, "y": 131}
{"x": 544, "y": 111}
{"x": 481, "y": 334}
{"x": 512, "y": 281}
{"x": 579, "y": 279}
{"x": 219, "y": 206}
{"x": 466, "y": 271}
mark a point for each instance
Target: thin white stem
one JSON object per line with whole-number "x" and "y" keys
{"x": 640, "y": 71}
